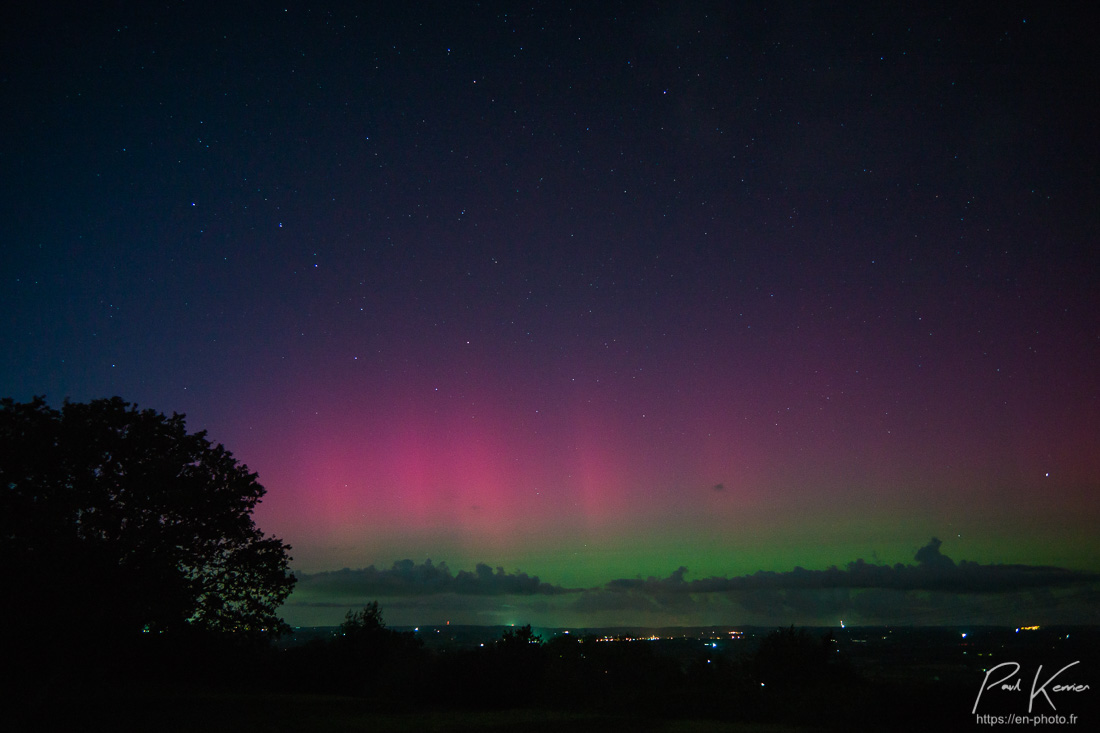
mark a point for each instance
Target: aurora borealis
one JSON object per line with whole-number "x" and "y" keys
{"x": 584, "y": 294}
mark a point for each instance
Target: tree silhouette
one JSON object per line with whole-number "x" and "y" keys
{"x": 364, "y": 627}
{"x": 519, "y": 638}
{"x": 122, "y": 519}
{"x": 793, "y": 659}
{"x": 370, "y": 658}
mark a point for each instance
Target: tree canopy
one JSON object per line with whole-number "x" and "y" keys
{"x": 121, "y": 519}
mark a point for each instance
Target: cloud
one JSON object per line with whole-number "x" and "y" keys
{"x": 406, "y": 578}
{"x": 930, "y": 556}
{"x": 934, "y": 590}
{"x": 934, "y": 571}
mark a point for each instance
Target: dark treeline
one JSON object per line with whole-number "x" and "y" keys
{"x": 793, "y": 676}
{"x": 373, "y": 674}
{"x": 393, "y": 669}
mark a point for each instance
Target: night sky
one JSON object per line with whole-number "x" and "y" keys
{"x": 587, "y": 293}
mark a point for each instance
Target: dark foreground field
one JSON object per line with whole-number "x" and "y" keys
{"x": 301, "y": 713}
{"x": 384, "y": 680}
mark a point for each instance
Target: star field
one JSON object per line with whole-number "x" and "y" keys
{"x": 587, "y": 293}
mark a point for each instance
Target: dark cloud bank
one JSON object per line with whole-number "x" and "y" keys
{"x": 934, "y": 571}
{"x": 936, "y": 590}
{"x": 406, "y": 578}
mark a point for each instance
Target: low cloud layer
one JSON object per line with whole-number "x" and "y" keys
{"x": 934, "y": 571}
{"x": 935, "y": 590}
{"x": 406, "y": 578}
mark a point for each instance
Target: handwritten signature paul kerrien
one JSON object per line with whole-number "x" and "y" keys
{"x": 1011, "y": 683}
